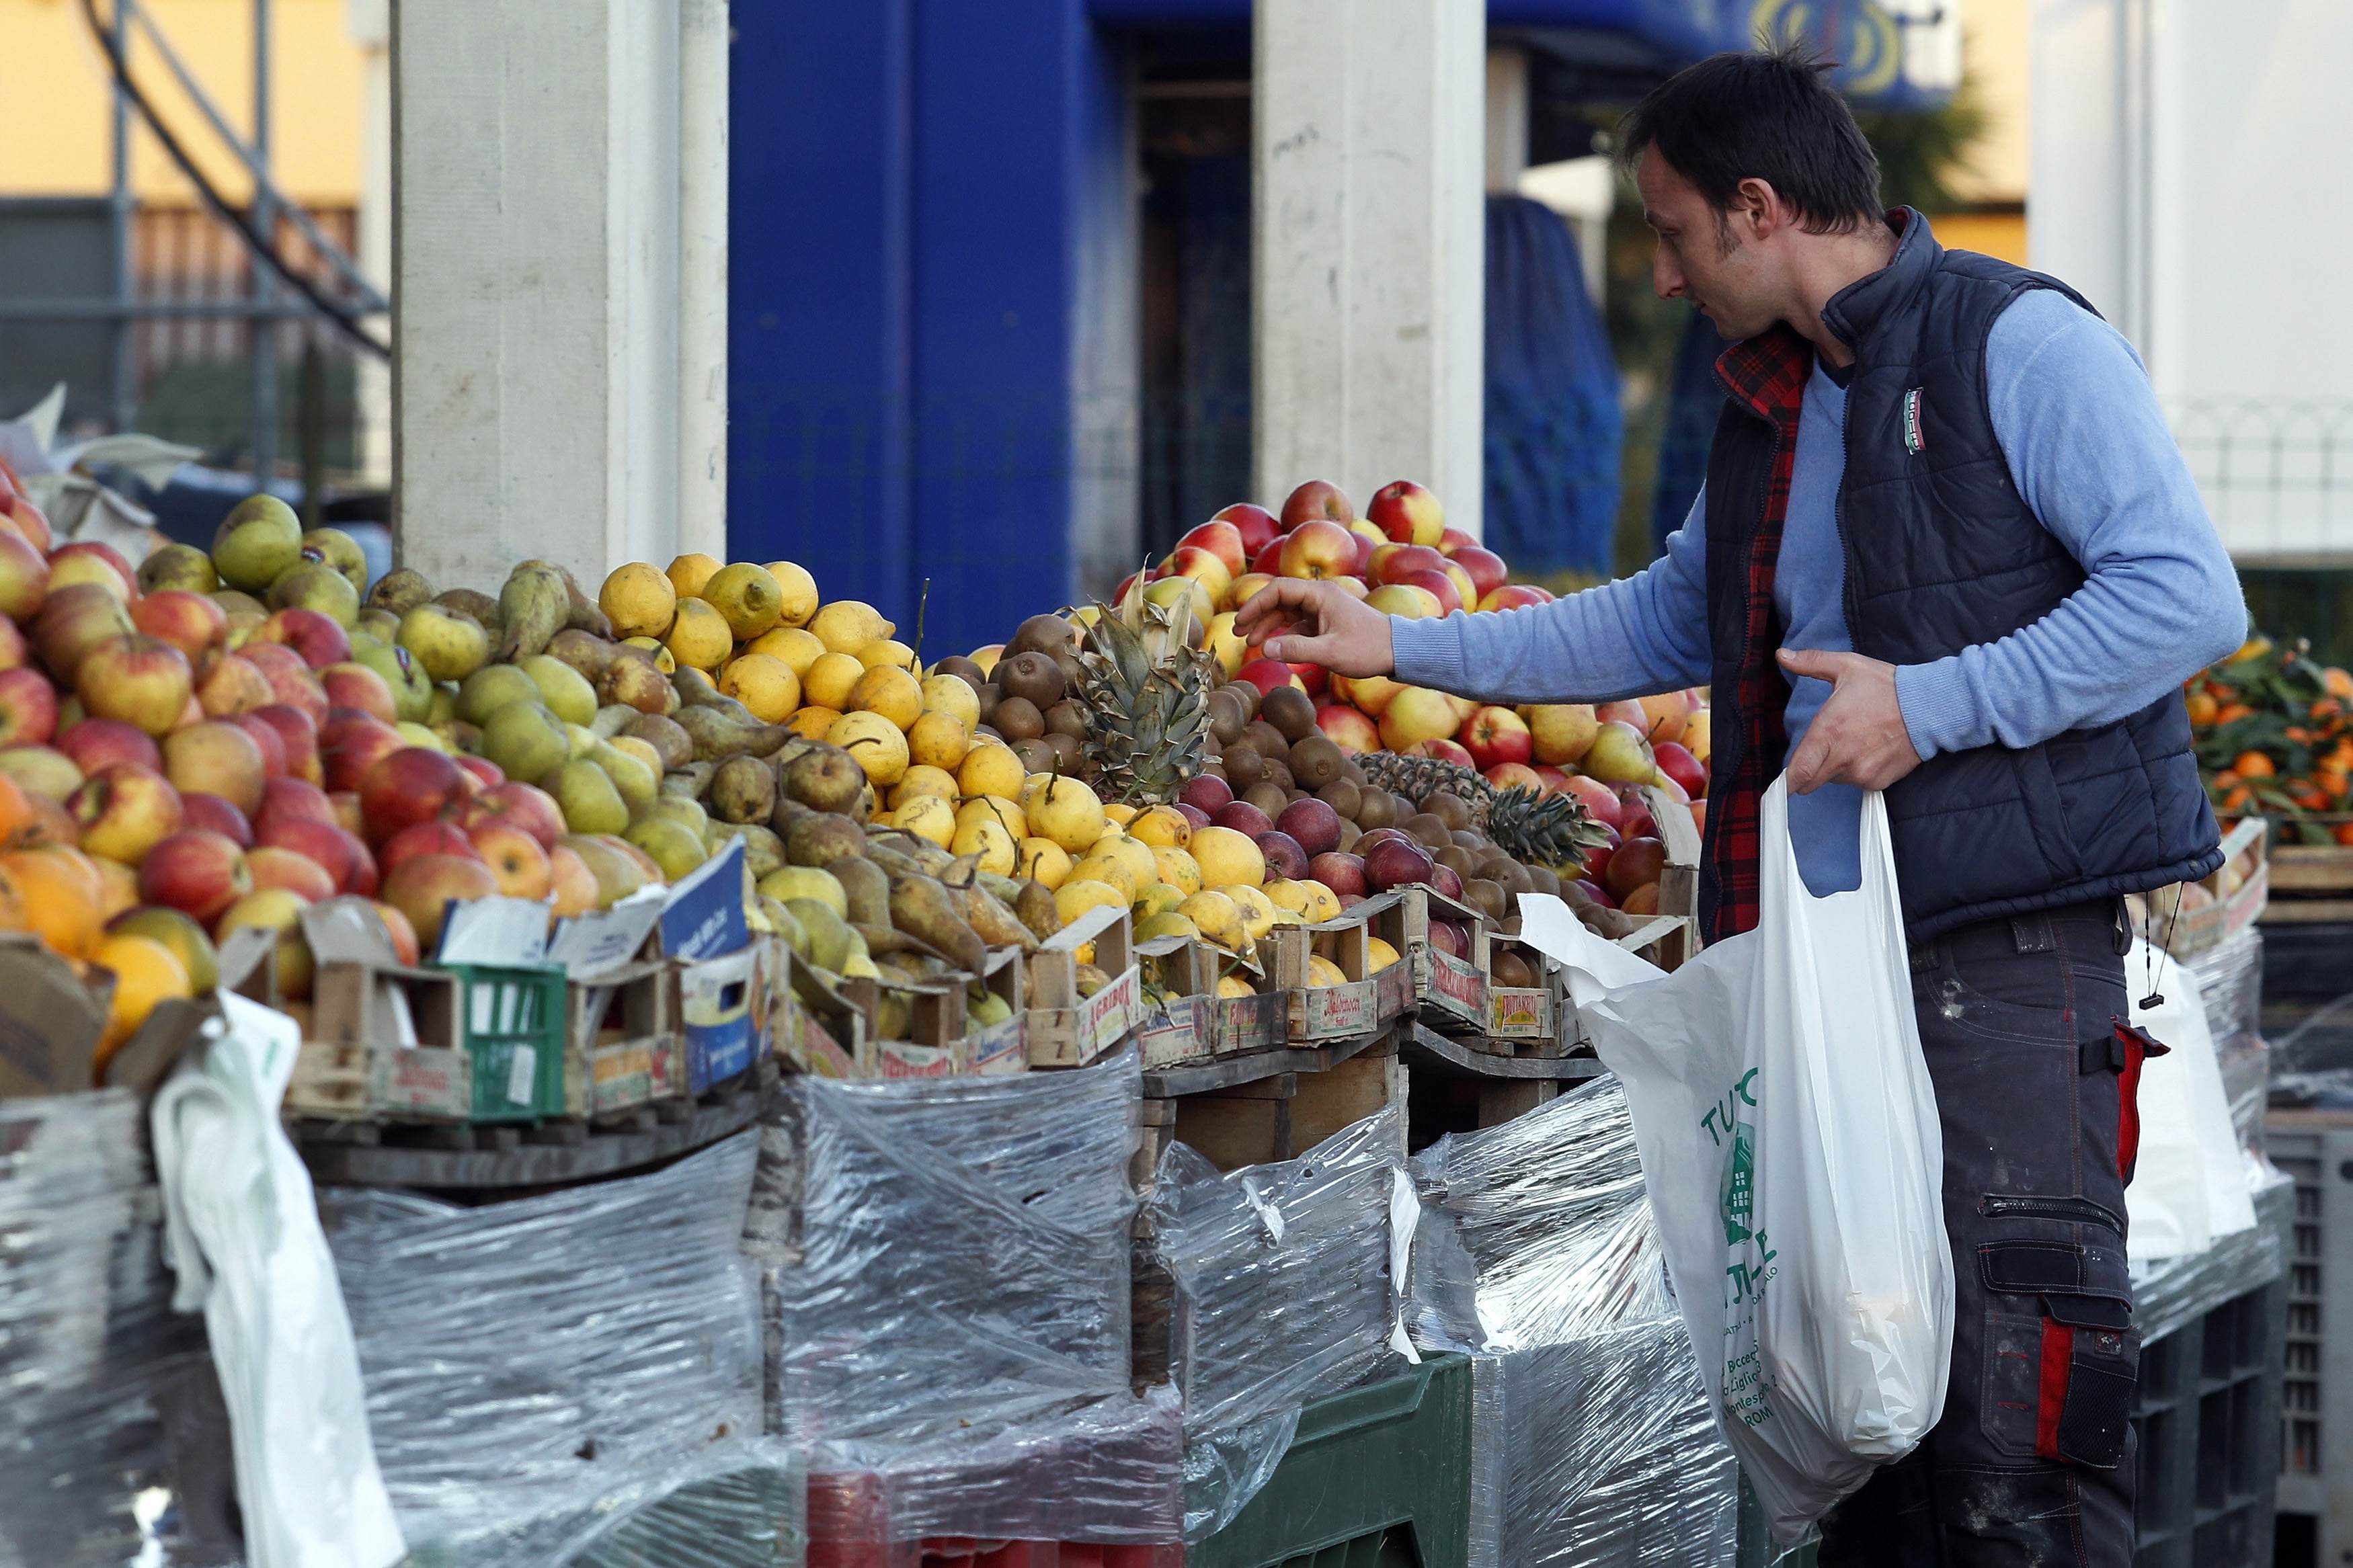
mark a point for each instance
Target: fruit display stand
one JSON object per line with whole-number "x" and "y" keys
{"x": 1065, "y": 1029}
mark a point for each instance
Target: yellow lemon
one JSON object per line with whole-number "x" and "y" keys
{"x": 1257, "y": 910}
{"x": 699, "y": 636}
{"x": 1322, "y": 971}
{"x": 747, "y": 596}
{"x": 688, "y": 573}
{"x": 791, "y": 644}
{"x": 1119, "y": 811}
{"x": 939, "y": 739}
{"x": 1043, "y": 860}
{"x": 1286, "y": 894}
{"x": 1220, "y": 920}
{"x": 1177, "y": 868}
{"x": 1102, "y": 868}
{"x": 889, "y": 651}
{"x": 806, "y": 882}
{"x": 877, "y": 744}
{"x": 1382, "y": 953}
{"x": 986, "y": 658}
{"x": 1067, "y": 812}
{"x": 1322, "y": 904}
{"x": 991, "y": 768}
{"x": 921, "y": 780}
{"x": 1231, "y": 987}
{"x": 952, "y": 694}
{"x": 1142, "y": 868}
{"x": 891, "y": 692}
{"x": 1168, "y": 923}
{"x": 1077, "y": 896}
{"x": 830, "y": 681}
{"x": 1161, "y": 824}
{"x": 1031, "y": 785}
{"x": 797, "y": 592}
{"x": 927, "y": 816}
{"x": 146, "y": 973}
{"x": 989, "y": 808}
{"x": 846, "y": 624}
{"x": 638, "y": 600}
{"x": 767, "y": 686}
{"x": 1156, "y": 899}
{"x": 997, "y": 850}
{"x": 1227, "y": 857}
{"x": 662, "y": 657}
{"x": 812, "y": 720}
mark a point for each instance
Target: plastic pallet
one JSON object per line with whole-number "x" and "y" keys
{"x": 1376, "y": 1477}
{"x": 2315, "y": 1484}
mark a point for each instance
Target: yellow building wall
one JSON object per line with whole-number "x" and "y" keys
{"x": 54, "y": 104}
{"x": 2001, "y": 235}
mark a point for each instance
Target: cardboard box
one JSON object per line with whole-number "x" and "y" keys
{"x": 722, "y": 1010}
{"x": 1065, "y": 1029}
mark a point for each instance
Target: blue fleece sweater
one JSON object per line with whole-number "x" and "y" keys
{"x": 2088, "y": 448}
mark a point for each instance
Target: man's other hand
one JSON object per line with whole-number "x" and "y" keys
{"x": 1302, "y": 621}
{"x": 1858, "y": 735}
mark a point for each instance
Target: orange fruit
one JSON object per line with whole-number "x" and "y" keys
{"x": 2344, "y": 833}
{"x": 2336, "y": 682}
{"x": 58, "y": 893}
{"x": 2253, "y": 765}
{"x": 2231, "y": 711}
{"x": 146, "y": 974}
{"x": 2202, "y": 708}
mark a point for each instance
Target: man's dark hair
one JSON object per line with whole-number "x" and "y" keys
{"x": 1763, "y": 115}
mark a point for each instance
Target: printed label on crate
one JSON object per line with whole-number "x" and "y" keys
{"x": 704, "y": 916}
{"x": 1175, "y": 1031}
{"x": 1241, "y": 1024}
{"x": 636, "y": 1072}
{"x": 1457, "y": 987}
{"x": 522, "y": 1068}
{"x": 1393, "y": 989}
{"x": 421, "y": 1080}
{"x": 816, "y": 1050}
{"x": 1107, "y": 1017}
{"x": 1349, "y": 1009}
{"x": 897, "y": 1059}
{"x": 1517, "y": 1013}
{"x": 998, "y": 1048}
{"x": 715, "y": 1003}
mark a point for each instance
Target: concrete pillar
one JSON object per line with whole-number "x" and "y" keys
{"x": 536, "y": 284}
{"x": 1367, "y": 266}
{"x": 702, "y": 277}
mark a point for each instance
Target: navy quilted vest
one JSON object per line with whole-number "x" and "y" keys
{"x": 1943, "y": 553}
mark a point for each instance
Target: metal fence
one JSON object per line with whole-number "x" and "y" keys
{"x": 2276, "y": 473}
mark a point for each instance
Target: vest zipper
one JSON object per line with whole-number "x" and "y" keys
{"x": 2076, "y": 1211}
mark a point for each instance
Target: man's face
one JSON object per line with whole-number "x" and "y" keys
{"x": 1700, "y": 256}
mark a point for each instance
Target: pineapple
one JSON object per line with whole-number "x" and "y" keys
{"x": 1146, "y": 692}
{"x": 1550, "y": 830}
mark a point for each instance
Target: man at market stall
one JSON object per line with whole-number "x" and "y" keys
{"x": 1946, "y": 549}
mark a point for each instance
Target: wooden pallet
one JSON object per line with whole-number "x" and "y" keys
{"x": 2310, "y": 883}
{"x": 1271, "y": 1105}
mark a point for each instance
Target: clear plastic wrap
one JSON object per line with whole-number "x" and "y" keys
{"x": 1592, "y": 1441}
{"x": 525, "y": 1359}
{"x": 91, "y": 1352}
{"x": 2230, "y": 978}
{"x": 2172, "y": 1291}
{"x": 945, "y": 1269}
{"x": 1283, "y": 1291}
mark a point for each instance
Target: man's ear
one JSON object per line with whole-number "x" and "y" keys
{"x": 1757, "y": 209}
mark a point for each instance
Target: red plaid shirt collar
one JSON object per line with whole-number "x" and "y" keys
{"x": 1766, "y": 375}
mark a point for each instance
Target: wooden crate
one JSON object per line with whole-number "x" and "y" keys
{"x": 813, "y": 1028}
{"x": 1002, "y": 1048}
{"x": 1451, "y": 992}
{"x": 1523, "y": 1020}
{"x": 935, "y": 1043}
{"x": 382, "y": 1044}
{"x": 624, "y": 1050}
{"x": 1318, "y": 1013}
{"x": 1280, "y": 1116}
{"x": 1064, "y": 1029}
{"x": 1177, "y": 1029}
{"x": 2312, "y": 881}
{"x": 2225, "y": 903}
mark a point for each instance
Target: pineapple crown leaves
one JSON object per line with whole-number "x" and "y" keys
{"x": 1146, "y": 692}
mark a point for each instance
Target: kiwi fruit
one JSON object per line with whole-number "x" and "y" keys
{"x": 1315, "y": 761}
{"x": 1475, "y": 843}
{"x": 1352, "y": 770}
{"x": 1546, "y": 880}
{"x": 1017, "y": 719}
{"x": 1402, "y": 806}
{"x": 1291, "y": 710}
{"x": 1443, "y": 803}
{"x": 1270, "y": 741}
{"x": 1375, "y": 808}
{"x": 1492, "y": 864}
{"x": 991, "y": 694}
{"x": 1515, "y": 879}
{"x": 1216, "y": 769}
{"x": 1037, "y": 756}
{"x": 1067, "y": 750}
{"x": 1248, "y": 694}
{"x": 1032, "y": 676}
{"x": 1228, "y": 711}
{"x": 1068, "y": 717}
{"x": 1465, "y": 864}
{"x": 1489, "y": 898}
{"x": 1268, "y": 796}
{"x": 1340, "y": 795}
{"x": 1243, "y": 766}
{"x": 1508, "y": 968}
{"x": 1428, "y": 831}
{"x": 1278, "y": 772}
{"x": 964, "y": 669}
{"x": 1073, "y": 672}
{"x": 1574, "y": 892}
{"x": 1045, "y": 633}
{"x": 1349, "y": 834}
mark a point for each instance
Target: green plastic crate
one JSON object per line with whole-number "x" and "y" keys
{"x": 512, "y": 1018}
{"x": 1376, "y": 1477}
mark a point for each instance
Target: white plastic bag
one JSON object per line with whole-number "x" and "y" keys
{"x": 2188, "y": 1186}
{"x": 1788, "y": 1138}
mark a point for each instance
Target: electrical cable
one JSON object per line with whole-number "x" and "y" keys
{"x": 261, "y": 248}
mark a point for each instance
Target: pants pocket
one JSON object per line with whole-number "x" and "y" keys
{"x": 2061, "y": 1354}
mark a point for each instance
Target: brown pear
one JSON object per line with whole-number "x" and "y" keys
{"x": 867, "y": 887}
{"x": 821, "y": 838}
{"x": 824, "y": 778}
{"x": 927, "y": 911}
{"x": 743, "y": 790}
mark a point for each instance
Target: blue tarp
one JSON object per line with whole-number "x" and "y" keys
{"x": 1552, "y": 412}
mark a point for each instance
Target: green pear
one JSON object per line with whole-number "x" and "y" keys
{"x": 580, "y": 738}
{"x": 585, "y": 794}
{"x": 450, "y": 643}
{"x": 689, "y": 813}
{"x": 178, "y": 566}
{"x": 494, "y": 687}
{"x": 412, "y": 693}
{"x": 676, "y": 847}
{"x": 639, "y": 785}
{"x": 315, "y": 585}
{"x": 618, "y": 876}
{"x": 564, "y": 689}
{"x": 340, "y": 550}
{"x": 525, "y": 741}
{"x": 258, "y": 543}
{"x": 381, "y": 625}
{"x": 397, "y": 593}
{"x": 445, "y": 704}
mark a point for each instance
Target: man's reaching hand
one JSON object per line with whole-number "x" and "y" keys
{"x": 1303, "y": 621}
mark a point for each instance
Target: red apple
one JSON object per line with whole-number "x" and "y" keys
{"x": 290, "y": 679}
{"x": 1285, "y": 860}
{"x": 1486, "y": 569}
{"x": 519, "y": 805}
{"x": 1627, "y": 712}
{"x": 347, "y": 758}
{"x": 1206, "y": 567}
{"x": 1451, "y": 540}
{"x": 217, "y": 757}
{"x": 1193, "y": 814}
{"x": 403, "y": 934}
{"x": 1516, "y": 776}
{"x": 1317, "y": 498}
{"x": 1514, "y": 596}
{"x": 1268, "y": 562}
{"x": 288, "y": 799}
{"x": 1667, "y": 713}
{"x": 1368, "y": 540}
{"x": 299, "y": 736}
{"x": 346, "y": 802}
{"x": 1554, "y": 779}
{"x": 1369, "y": 694}
{"x": 1406, "y": 513}
{"x": 1444, "y": 751}
{"x": 197, "y": 872}
{"x": 1312, "y": 823}
{"x": 96, "y": 744}
{"x": 274, "y": 866}
{"x": 1448, "y": 881}
{"x": 1208, "y": 794}
{"x": 1598, "y": 799}
{"x": 1222, "y": 540}
{"x": 1254, "y": 524}
{"x": 1416, "y": 713}
{"x": 1314, "y": 678}
{"x": 190, "y": 621}
{"x": 1677, "y": 762}
{"x": 319, "y": 637}
{"x": 73, "y": 620}
{"x": 484, "y": 772}
{"x": 227, "y": 685}
{"x": 26, "y": 519}
{"x": 24, "y": 577}
{"x": 1495, "y": 735}
{"x": 266, "y": 736}
{"x": 517, "y": 860}
{"x": 89, "y": 561}
{"x": 357, "y": 686}
{"x": 410, "y": 787}
{"x": 1344, "y": 874}
{"x": 1440, "y": 585}
{"x": 1396, "y": 863}
{"x": 422, "y": 886}
{"x": 15, "y": 651}
{"x": 1243, "y": 818}
{"x": 1392, "y": 561}
{"x": 1348, "y": 729}
{"x": 435, "y": 838}
{"x": 214, "y": 814}
{"x": 29, "y": 707}
{"x": 1266, "y": 674}
{"x": 1318, "y": 548}
{"x": 360, "y": 881}
{"x": 124, "y": 810}
{"x": 1637, "y": 863}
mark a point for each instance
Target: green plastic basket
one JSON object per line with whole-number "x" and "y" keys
{"x": 512, "y": 1018}
{"x": 1376, "y": 1477}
